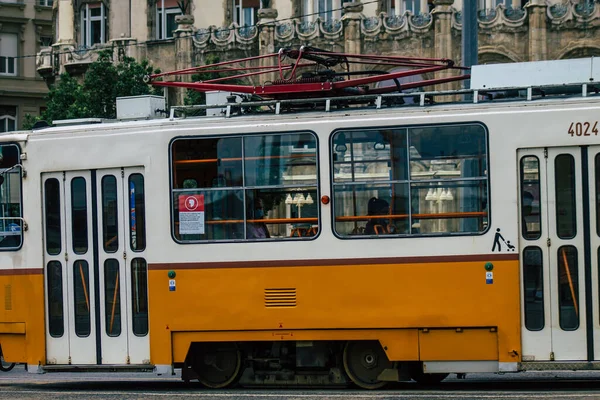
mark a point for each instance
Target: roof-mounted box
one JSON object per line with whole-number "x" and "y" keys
{"x": 140, "y": 107}
{"x": 532, "y": 74}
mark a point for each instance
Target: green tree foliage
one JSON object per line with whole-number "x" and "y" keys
{"x": 194, "y": 97}
{"x": 65, "y": 100}
{"x": 103, "y": 82}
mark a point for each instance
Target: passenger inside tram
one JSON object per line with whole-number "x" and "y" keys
{"x": 378, "y": 226}
{"x": 255, "y": 227}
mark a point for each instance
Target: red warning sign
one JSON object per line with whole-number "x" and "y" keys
{"x": 191, "y": 214}
{"x": 191, "y": 202}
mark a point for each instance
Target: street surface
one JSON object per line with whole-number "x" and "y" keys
{"x": 18, "y": 384}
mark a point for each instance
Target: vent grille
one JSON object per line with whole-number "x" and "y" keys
{"x": 7, "y": 297}
{"x": 280, "y": 297}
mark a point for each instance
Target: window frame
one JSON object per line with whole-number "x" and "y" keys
{"x": 409, "y": 182}
{"x": 22, "y": 218}
{"x": 239, "y": 16}
{"x": 4, "y": 120}
{"x": 245, "y": 188}
{"x": 522, "y": 192}
{"x": 330, "y": 11}
{"x": 161, "y": 24}
{"x": 55, "y": 297}
{"x": 414, "y": 4}
{"x": 47, "y": 229}
{"x": 525, "y": 270}
{"x": 45, "y": 3}
{"x": 86, "y": 20}
{"x": 139, "y": 293}
{"x": 7, "y": 58}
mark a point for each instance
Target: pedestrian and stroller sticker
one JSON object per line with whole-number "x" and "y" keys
{"x": 500, "y": 243}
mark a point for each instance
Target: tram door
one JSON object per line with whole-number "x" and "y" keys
{"x": 559, "y": 248}
{"x": 95, "y": 267}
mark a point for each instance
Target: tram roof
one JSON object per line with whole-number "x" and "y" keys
{"x": 541, "y": 95}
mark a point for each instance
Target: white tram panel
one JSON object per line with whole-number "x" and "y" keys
{"x": 148, "y": 142}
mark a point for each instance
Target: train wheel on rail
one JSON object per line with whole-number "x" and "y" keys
{"x": 4, "y": 366}
{"x": 364, "y": 361}
{"x": 217, "y": 365}
{"x": 417, "y": 375}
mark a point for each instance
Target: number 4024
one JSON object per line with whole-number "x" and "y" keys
{"x": 583, "y": 129}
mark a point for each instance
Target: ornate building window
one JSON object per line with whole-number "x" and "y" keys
{"x": 399, "y": 7}
{"x": 414, "y": 6}
{"x": 8, "y": 54}
{"x": 8, "y": 118}
{"x": 487, "y": 4}
{"x": 46, "y": 3}
{"x": 93, "y": 24}
{"x": 324, "y": 9}
{"x": 245, "y": 12}
{"x": 166, "y": 11}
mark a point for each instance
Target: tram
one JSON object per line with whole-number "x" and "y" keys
{"x": 343, "y": 245}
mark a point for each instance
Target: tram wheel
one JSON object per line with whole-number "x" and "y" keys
{"x": 4, "y": 366}
{"x": 364, "y": 361}
{"x": 217, "y": 365}
{"x": 422, "y": 378}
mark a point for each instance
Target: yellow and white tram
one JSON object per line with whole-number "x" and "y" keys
{"x": 363, "y": 245}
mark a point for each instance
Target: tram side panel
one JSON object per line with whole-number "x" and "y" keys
{"x": 22, "y": 310}
{"x": 21, "y": 316}
{"x": 343, "y": 302}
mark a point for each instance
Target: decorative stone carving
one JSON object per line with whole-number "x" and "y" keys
{"x": 394, "y": 22}
{"x": 354, "y": 7}
{"x": 514, "y": 14}
{"x": 267, "y": 13}
{"x": 570, "y": 15}
{"x": 420, "y": 20}
{"x": 185, "y": 19}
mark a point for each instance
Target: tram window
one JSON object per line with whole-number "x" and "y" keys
{"x": 11, "y": 213}
{"x": 79, "y": 215}
{"x": 568, "y": 288}
{"x": 531, "y": 218}
{"x": 533, "y": 290}
{"x": 81, "y": 293}
{"x": 56, "y": 325}
{"x": 597, "y": 179}
{"x": 139, "y": 296}
{"x": 110, "y": 227}
{"x": 112, "y": 297}
{"x": 253, "y": 187}
{"x": 207, "y": 163}
{"x": 137, "y": 214}
{"x": 53, "y": 220}
{"x": 566, "y": 215}
{"x": 428, "y": 180}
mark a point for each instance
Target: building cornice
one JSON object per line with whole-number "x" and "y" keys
{"x": 20, "y": 6}
{"x": 15, "y": 20}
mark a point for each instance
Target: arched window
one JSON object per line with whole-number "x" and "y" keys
{"x": 8, "y": 118}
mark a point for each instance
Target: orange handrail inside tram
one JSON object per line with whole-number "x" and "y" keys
{"x": 83, "y": 283}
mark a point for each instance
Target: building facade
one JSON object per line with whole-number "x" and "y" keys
{"x": 25, "y": 28}
{"x": 158, "y": 30}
